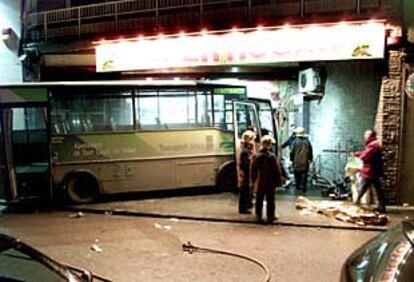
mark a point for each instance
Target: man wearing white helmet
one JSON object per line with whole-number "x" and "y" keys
{"x": 301, "y": 155}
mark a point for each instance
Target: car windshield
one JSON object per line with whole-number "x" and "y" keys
{"x": 17, "y": 266}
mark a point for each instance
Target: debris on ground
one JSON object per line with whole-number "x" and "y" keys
{"x": 305, "y": 212}
{"x": 150, "y": 201}
{"x": 165, "y": 227}
{"x": 406, "y": 205}
{"x": 77, "y": 215}
{"x": 96, "y": 248}
{"x": 174, "y": 219}
{"x": 108, "y": 212}
{"x": 342, "y": 211}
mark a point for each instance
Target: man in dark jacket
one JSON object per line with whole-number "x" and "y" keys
{"x": 266, "y": 170}
{"x": 301, "y": 155}
{"x": 372, "y": 168}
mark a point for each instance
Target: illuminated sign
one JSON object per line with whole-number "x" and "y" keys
{"x": 342, "y": 41}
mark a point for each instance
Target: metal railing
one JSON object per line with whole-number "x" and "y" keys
{"x": 151, "y": 15}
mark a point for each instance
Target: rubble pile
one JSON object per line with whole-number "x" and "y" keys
{"x": 342, "y": 211}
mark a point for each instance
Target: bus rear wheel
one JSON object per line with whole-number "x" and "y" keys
{"x": 82, "y": 188}
{"x": 227, "y": 178}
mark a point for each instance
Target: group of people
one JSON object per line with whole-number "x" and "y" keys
{"x": 260, "y": 172}
{"x": 301, "y": 156}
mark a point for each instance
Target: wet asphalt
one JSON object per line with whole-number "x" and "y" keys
{"x": 147, "y": 245}
{"x": 150, "y": 249}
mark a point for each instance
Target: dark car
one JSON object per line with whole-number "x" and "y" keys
{"x": 387, "y": 257}
{"x": 19, "y": 262}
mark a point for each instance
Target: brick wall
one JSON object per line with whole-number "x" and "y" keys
{"x": 348, "y": 108}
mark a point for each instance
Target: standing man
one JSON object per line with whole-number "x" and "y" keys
{"x": 247, "y": 152}
{"x": 266, "y": 170}
{"x": 301, "y": 155}
{"x": 372, "y": 168}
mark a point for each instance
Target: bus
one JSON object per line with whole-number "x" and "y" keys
{"x": 85, "y": 139}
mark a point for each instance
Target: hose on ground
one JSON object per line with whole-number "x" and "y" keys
{"x": 192, "y": 249}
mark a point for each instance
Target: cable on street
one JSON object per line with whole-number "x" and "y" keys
{"x": 188, "y": 247}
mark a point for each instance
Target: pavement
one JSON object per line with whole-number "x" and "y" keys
{"x": 150, "y": 249}
{"x": 223, "y": 207}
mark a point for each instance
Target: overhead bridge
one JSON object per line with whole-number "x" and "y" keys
{"x": 129, "y": 17}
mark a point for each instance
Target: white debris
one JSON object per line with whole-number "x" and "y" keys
{"x": 96, "y": 248}
{"x": 174, "y": 219}
{"x": 77, "y": 215}
{"x": 165, "y": 227}
{"x": 406, "y": 205}
{"x": 305, "y": 212}
{"x": 108, "y": 213}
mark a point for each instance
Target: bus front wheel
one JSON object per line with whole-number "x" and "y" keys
{"x": 81, "y": 188}
{"x": 227, "y": 178}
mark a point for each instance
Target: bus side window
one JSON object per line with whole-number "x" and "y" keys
{"x": 112, "y": 123}
{"x": 138, "y": 124}
{"x": 88, "y": 125}
{"x": 59, "y": 125}
{"x": 223, "y": 124}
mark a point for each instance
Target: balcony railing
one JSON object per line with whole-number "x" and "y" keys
{"x": 148, "y": 16}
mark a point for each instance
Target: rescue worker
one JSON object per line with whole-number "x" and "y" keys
{"x": 247, "y": 152}
{"x": 301, "y": 155}
{"x": 371, "y": 168}
{"x": 266, "y": 171}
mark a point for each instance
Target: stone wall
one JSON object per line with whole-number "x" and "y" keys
{"x": 388, "y": 124}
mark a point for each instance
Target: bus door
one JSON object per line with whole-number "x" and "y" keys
{"x": 266, "y": 118}
{"x": 6, "y": 191}
{"x": 245, "y": 118}
{"x": 26, "y": 164}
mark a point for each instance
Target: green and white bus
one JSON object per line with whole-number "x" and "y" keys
{"x": 92, "y": 138}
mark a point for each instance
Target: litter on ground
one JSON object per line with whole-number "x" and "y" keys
{"x": 342, "y": 211}
{"x": 77, "y": 215}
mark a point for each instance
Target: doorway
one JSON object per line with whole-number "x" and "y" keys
{"x": 25, "y": 164}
